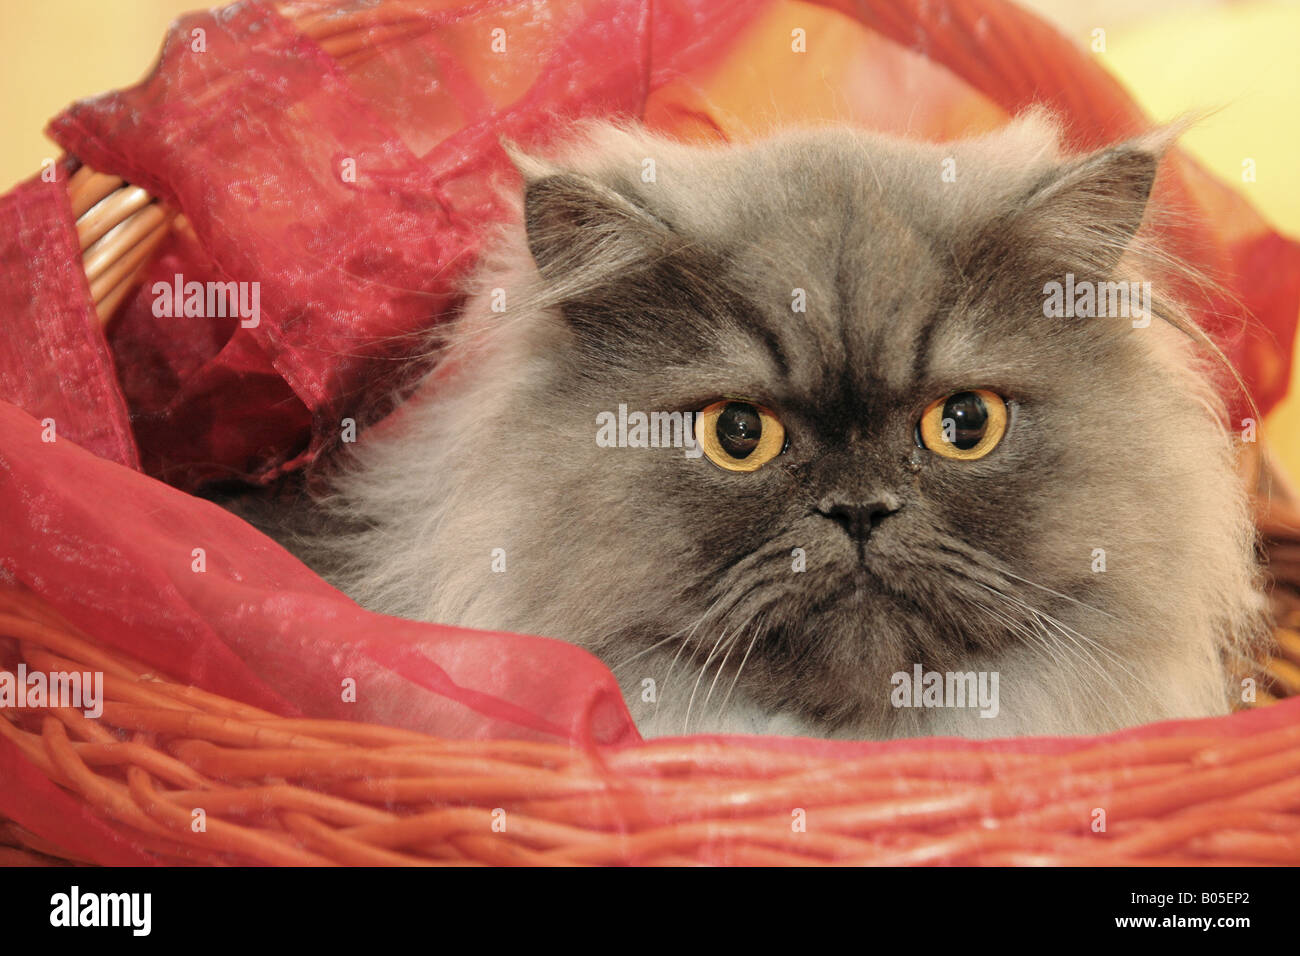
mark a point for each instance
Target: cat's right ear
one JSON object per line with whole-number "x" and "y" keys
{"x": 573, "y": 222}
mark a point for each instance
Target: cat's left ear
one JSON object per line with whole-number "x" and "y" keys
{"x": 1092, "y": 207}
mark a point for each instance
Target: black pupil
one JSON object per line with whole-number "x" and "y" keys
{"x": 739, "y": 427}
{"x": 970, "y": 419}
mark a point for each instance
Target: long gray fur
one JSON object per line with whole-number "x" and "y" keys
{"x": 668, "y": 295}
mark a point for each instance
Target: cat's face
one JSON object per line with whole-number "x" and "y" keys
{"x": 904, "y": 461}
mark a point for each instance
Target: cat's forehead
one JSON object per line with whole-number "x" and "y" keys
{"x": 811, "y": 175}
{"x": 845, "y": 292}
{"x": 842, "y": 252}
{"x": 843, "y": 260}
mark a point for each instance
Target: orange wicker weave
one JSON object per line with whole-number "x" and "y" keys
{"x": 194, "y": 778}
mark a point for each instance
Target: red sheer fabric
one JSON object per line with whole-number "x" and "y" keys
{"x": 355, "y": 188}
{"x": 354, "y": 195}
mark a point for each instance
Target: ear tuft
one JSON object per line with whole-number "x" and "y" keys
{"x": 528, "y": 166}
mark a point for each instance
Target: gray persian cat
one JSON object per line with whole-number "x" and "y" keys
{"x": 877, "y": 458}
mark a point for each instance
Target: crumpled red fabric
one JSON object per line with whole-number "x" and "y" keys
{"x": 248, "y": 138}
{"x": 354, "y": 199}
{"x": 194, "y": 590}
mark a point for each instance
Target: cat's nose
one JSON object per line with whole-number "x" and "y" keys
{"x": 859, "y": 519}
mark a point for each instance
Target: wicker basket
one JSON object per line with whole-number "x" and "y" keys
{"x": 274, "y": 790}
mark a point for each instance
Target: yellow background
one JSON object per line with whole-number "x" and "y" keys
{"x": 1174, "y": 57}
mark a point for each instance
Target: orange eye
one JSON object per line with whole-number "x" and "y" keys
{"x": 739, "y": 436}
{"x": 964, "y": 425}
